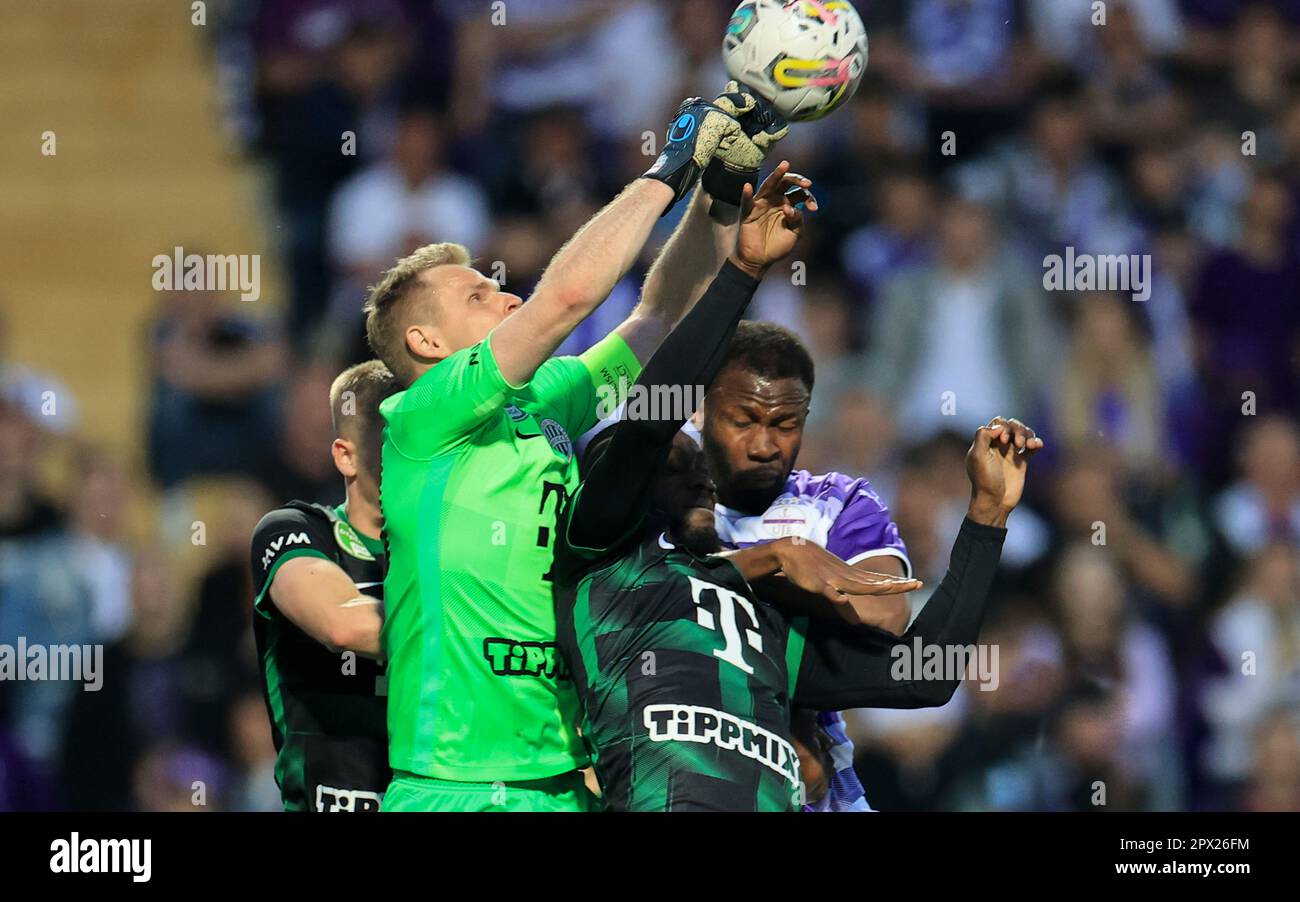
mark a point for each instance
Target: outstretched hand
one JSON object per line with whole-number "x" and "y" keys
{"x": 771, "y": 219}
{"x": 996, "y": 464}
{"x": 812, "y": 568}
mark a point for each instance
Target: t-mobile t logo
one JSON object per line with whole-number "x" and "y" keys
{"x": 732, "y": 651}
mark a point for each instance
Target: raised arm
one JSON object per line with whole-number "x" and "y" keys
{"x": 579, "y": 277}
{"x": 679, "y": 276}
{"x": 586, "y": 269}
{"x": 618, "y": 487}
{"x": 845, "y": 667}
{"x": 707, "y": 232}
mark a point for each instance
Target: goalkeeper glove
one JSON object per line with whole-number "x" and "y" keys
{"x": 694, "y": 136}
{"x": 736, "y": 163}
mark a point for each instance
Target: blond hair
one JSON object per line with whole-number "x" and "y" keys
{"x": 354, "y": 406}
{"x": 386, "y": 310}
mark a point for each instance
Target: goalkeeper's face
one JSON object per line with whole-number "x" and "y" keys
{"x": 466, "y": 305}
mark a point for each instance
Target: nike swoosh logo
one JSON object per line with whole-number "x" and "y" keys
{"x": 534, "y": 435}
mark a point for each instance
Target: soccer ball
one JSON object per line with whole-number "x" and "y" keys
{"x": 805, "y": 56}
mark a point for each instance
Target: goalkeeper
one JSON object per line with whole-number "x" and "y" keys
{"x": 478, "y": 459}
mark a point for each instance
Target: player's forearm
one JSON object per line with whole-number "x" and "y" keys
{"x": 356, "y": 625}
{"x": 623, "y": 477}
{"x": 887, "y": 613}
{"x": 952, "y": 616}
{"x": 322, "y": 601}
{"x": 680, "y": 275}
{"x": 583, "y": 272}
{"x": 211, "y": 376}
{"x": 348, "y": 624}
{"x": 578, "y": 279}
{"x": 1153, "y": 566}
{"x": 758, "y": 562}
{"x": 847, "y": 667}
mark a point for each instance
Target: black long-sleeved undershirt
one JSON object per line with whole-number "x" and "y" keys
{"x": 843, "y": 666}
{"x": 852, "y": 667}
{"x": 617, "y": 490}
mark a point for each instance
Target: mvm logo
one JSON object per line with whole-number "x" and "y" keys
{"x": 278, "y": 545}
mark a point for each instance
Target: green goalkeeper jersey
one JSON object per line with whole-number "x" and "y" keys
{"x": 474, "y": 472}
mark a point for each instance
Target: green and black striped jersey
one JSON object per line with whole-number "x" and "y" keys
{"x": 685, "y": 676}
{"x": 327, "y": 710}
{"x": 684, "y": 680}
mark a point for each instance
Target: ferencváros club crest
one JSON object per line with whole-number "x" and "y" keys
{"x": 558, "y": 437}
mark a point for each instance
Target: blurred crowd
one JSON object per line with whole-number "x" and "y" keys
{"x": 1148, "y": 621}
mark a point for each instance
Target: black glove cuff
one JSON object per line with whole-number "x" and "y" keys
{"x": 726, "y": 184}
{"x": 676, "y": 166}
{"x": 677, "y": 169}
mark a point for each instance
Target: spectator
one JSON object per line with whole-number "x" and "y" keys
{"x": 144, "y": 704}
{"x": 567, "y": 52}
{"x": 1258, "y": 636}
{"x": 1070, "y": 30}
{"x": 1109, "y": 390}
{"x": 1253, "y": 96}
{"x": 297, "y": 463}
{"x": 1246, "y": 316}
{"x": 1129, "y": 100}
{"x": 1049, "y": 188}
{"x": 254, "y": 786}
{"x": 1110, "y": 648}
{"x": 99, "y": 502}
{"x": 43, "y": 600}
{"x": 900, "y": 238}
{"x": 401, "y": 203}
{"x": 1090, "y": 506}
{"x": 175, "y": 778}
{"x": 1275, "y": 778}
{"x": 939, "y": 328}
{"x": 217, "y": 655}
{"x": 1263, "y": 505}
{"x": 328, "y": 85}
{"x": 972, "y": 63}
{"x": 36, "y": 392}
{"x": 215, "y": 372}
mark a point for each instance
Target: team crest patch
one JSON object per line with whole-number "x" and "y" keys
{"x": 558, "y": 437}
{"x": 785, "y": 519}
{"x": 350, "y": 542}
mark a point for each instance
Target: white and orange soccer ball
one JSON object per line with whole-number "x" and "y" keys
{"x": 805, "y": 56}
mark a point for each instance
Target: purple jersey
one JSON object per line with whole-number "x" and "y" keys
{"x": 842, "y": 514}
{"x": 847, "y": 517}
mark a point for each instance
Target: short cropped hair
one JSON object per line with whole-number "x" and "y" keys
{"x": 769, "y": 350}
{"x": 386, "y": 308}
{"x": 354, "y": 406}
